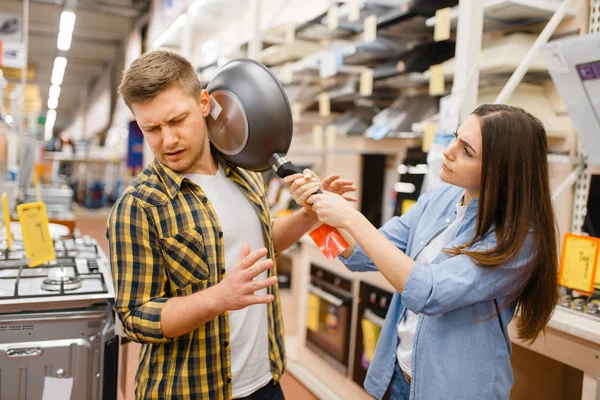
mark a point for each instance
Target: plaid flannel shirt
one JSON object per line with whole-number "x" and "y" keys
{"x": 165, "y": 241}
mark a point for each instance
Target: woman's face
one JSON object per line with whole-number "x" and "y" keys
{"x": 461, "y": 165}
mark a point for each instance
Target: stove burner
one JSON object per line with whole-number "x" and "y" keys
{"x": 59, "y": 279}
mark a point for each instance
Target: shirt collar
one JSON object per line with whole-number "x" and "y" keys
{"x": 172, "y": 180}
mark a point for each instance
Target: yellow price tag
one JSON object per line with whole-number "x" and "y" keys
{"x": 428, "y": 136}
{"x": 39, "y": 248}
{"x": 324, "y": 105}
{"x": 290, "y": 32}
{"x": 7, "y": 220}
{"x": 579, "y": 261}
{"x": 333, "y": 19}
{"x": 406, "y": 205}
{"x": 313, "y": 312}
{"x": 317, "y": 136}
{"x": 366, "y": 82}
{"x": 370, "y": 28}
{"x": 330, "y": 134}
{"x": 354, "y": 13}
{"x": 436, "y": 81}
{"x": 441, "y": 30}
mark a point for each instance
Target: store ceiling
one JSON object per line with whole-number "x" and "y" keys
{"x": 101, "y": 28}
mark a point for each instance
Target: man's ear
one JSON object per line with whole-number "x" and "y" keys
{"x": 205, "y": 102}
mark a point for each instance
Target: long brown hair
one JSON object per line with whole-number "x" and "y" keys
{"x": 514, "y": 199}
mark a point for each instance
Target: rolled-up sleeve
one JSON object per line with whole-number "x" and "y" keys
{"x": 138, "y": 271}
{"x": 396, "y": 230}
{"x": 458, "y": 282}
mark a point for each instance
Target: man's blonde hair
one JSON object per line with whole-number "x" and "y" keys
{"x": 156, "y": 71}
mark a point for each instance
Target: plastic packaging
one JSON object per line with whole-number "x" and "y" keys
{"x": 329, "y": 240}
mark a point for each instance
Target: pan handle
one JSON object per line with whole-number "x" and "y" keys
{"x": 284, "y": 168}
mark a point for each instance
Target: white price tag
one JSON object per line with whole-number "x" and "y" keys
{"x": 215, "y": 108}
{"x": 370, "y": 28}
{"x": 449, "y": 114}
{"x": 57, "y": 388}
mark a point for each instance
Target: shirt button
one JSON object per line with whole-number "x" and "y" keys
{"x": 222, "y": 271}
{"x": 220, "y": 234}
{"x": 228, "y": 380}
{"x": 226, "y": 344}
{"x": 422, "y": 243}
{"x": 204, "y": 200}
{"x": 447, "y": 220}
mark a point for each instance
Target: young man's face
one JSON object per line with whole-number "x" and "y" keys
{"x": 173, "y": 124}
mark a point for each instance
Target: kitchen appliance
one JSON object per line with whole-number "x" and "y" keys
{"x": 372, "y": 308}
{"x": 57, "y": 322}
{"x": 329, "y": 317}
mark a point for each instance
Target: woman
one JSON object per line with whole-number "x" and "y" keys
{"x": 464, "y": 259}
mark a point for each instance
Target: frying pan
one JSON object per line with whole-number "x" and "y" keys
{"x": 250, "y": 125}
{"x": 251, "y": 120}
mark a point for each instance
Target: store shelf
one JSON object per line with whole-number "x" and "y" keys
{"x": 502, "y": 14}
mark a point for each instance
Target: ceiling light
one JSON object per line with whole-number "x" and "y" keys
{"x": 56, "y": 79}
{"x": 166, "y": 35}
{"x": 60, "y": 63}
{"x": 54, "y": 91}
{"x": 67, "y": 22}
{"x": 48, "y": 133}
{"x": 64, "y": 41}
{"x": 51, "y": 116}
{"x": 52, "y": 103}
{"x": 9, "y": 119}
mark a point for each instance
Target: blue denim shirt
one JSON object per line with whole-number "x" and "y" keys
{"x": 461, "y": 347}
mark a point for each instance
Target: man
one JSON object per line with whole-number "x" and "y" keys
{"x": 192, "y": 249}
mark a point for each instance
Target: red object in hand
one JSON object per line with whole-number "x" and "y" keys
{"x": 330, "y": 241}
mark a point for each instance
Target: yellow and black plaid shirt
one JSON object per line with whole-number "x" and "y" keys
{"x": 165, "y": 241}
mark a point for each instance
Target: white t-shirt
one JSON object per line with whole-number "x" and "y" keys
{"x": 408, "y": 322}
{"x": 248, "y": 328}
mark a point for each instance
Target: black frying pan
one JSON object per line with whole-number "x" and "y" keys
{"x": 251, "y": 120}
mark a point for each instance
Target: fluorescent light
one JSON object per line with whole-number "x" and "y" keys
{"x": 166, "y": 35}
{"x": 54, "y": 91}
{"x": 9, "y": 119}
{"x": 56, "y": 79}
{"x": 67, "y": 22}
{"x": 52, "y": 103}
{"x": 404, "y": 187}
{"x": 60, "y": 63}
{"x": 51, "y": 116}
{"x": 48, "y": 133}
{"x": 64, "y": 41}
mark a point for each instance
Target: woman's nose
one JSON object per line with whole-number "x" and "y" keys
{"x": 449, "y": 151}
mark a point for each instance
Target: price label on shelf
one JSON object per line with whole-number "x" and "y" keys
{"x": 39, "y": 247}
{"x": 6, "y": 211}
{"x": 441, "y": 30}
{"x": 354, "y": 12}
{"x": 333, "y": 19}
{"x": 370, "y": 28}
{"x": 330, "y": 135}
{"x": 366, "y": 82}
{"x": 324, "y": 105}
{"x": 579, "y": 262}
{"x": 428, "y": 136}
{"x": 436, "y": 80}
{"x": 317, "y": 136}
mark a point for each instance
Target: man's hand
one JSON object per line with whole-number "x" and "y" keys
{"x": 302, "y": 186}
{"x": 236, "y": 291}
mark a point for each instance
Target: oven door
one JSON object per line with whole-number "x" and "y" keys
{"x": 328, "y": 323}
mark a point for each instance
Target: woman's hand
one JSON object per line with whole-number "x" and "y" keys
{"x": 302, "y": 186}
{"x": 333, "y": 209}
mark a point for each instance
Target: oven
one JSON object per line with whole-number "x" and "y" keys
{"x": 57, "y": 325}
{"x": 372, "y": 308}
{"x": 329, "y": 315}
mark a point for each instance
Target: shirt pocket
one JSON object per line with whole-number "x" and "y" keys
{"x": 185, "y": 257}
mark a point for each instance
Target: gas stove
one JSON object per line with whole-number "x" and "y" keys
{"x": 77, "y": 278}
{"x": 580, "y": 303}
